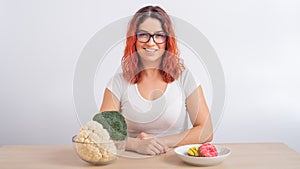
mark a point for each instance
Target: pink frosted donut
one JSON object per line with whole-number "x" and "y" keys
{"x": 208, "y": 150}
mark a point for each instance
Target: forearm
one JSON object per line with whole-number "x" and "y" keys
{"x": 195, "y": 135}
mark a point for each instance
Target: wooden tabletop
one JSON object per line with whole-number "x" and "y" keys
{"x": 243, "y": 156}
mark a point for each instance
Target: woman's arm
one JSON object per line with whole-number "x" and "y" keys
{"x": 202, "y": 130}
{"x": 110, "y": 102}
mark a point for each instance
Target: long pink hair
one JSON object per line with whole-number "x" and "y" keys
{"x": 171, "y": 66}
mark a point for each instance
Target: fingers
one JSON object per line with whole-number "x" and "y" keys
{"x": 161, "y": 143}
{"x": 155, "y": 147}
{"x": 153, "y": 150}
{"x": 148, "y": 144}
{"x": 159, "y": 147}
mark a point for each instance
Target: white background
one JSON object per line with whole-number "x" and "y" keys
{"x": 257, "y": 42}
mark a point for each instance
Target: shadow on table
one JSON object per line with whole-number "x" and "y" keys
{"x": 66, "y": 157}
{"x": 172, "y": 159}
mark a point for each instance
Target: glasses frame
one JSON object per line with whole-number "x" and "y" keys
{"x": 152, "y": 36}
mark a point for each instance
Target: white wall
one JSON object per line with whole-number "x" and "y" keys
{"x": 257, "y": 43}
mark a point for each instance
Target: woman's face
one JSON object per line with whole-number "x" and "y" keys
{"x": 151, "y": 52}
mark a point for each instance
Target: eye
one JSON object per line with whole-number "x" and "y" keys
{"x": 142, "y": 34}
{"x": 160, "y": 35}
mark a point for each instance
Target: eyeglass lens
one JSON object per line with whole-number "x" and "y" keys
{"x": 144, "y": 37}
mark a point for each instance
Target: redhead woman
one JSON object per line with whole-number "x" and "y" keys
{"x": 155, "y": 92}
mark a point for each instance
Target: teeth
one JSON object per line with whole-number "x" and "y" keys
{"x": 150, "y": 50}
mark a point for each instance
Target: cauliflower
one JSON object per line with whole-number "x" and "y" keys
{"x": 94, "y": 144}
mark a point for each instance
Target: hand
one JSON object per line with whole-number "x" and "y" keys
{"x": 143, "y": 135}
{"x": 150, "y": 146}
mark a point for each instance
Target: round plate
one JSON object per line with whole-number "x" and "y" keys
{"x": 181, "y": 152}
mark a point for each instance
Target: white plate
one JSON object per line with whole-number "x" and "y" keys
{"x": 131, "y": 154}
{"x": 181, "y": 152}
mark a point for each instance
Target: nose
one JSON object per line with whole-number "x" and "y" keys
{"x": 151, "y": 41}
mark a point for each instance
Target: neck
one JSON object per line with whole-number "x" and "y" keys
{"x": 151, "y": 64}
{"x": 151, "y": 72}
{"x": 147, "y": 66}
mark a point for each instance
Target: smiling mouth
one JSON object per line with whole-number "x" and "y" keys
{"x": 150, "y": 50}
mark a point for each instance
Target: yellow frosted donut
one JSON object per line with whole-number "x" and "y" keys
{"x": 193, "y": 151}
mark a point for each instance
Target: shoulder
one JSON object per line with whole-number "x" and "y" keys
{"x": 187, "y": 82}
{"x": 118, "y": 77}
{"x": 118, "y": 81}
{"x": 185, "y": 75}
{"x": 117, "y": 85}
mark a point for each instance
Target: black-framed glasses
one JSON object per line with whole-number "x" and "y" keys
{"x": 158, "y": 38}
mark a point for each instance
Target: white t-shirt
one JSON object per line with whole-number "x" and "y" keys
{"x": 163, "y": 116}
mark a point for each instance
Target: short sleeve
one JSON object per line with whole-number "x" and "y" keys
{"x": 188, "y": 82}
{"x": 117, "y": 85}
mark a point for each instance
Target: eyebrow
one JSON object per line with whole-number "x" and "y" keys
{"x": 148, "y": 32}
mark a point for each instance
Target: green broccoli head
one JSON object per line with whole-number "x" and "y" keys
{"x": 114, "y": 123}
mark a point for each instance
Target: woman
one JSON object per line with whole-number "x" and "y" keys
{"x": 156, "y": 93}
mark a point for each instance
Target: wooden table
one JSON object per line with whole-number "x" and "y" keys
{"x": 243, "y": 156}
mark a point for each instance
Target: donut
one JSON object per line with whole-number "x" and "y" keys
{"x": 207, "y": 150}
{"x": 193, "y": 151}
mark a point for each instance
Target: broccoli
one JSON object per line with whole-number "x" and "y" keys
{"x": 114, "y": 123}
